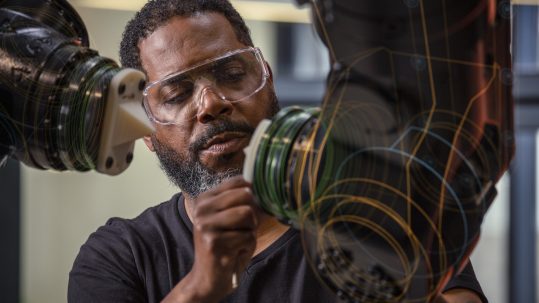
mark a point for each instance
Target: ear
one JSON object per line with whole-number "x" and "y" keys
{"x": 149, "y": 143}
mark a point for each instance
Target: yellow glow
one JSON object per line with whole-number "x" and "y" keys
{"x": 250, "y": 10}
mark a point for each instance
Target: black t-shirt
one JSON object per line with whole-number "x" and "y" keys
{"x": 142, "y": 259}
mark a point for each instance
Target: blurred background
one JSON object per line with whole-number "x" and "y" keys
{"x": 41, "y": 236}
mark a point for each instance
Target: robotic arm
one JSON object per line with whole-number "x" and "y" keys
{"x": 63, "y": 107}
{"x": 390, "y": 180}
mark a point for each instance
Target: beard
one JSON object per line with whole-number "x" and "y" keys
{"x": 188, "y": 172}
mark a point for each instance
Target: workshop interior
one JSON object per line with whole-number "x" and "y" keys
{"x": 406, "y": 143}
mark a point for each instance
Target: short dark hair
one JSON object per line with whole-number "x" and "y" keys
{"x": 156, "y": 13}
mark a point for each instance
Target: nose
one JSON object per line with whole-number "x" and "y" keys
{"x": 211, "y": 106}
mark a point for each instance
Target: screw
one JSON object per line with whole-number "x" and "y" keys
{"x": 129, "y": 158}
{"x": 121, "y": 89}
{"x": 109, "y": 163}
{"x": 141, "y": 85}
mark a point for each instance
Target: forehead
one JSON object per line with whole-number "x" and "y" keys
{"x": 184, "y": 41}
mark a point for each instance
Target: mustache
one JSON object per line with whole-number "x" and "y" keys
{"x": 218, "y": 127}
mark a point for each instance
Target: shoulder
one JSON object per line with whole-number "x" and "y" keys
{"x": 119, "y": 239}
{"x": 160, "y": 220}
{"x": 110, "y": 265}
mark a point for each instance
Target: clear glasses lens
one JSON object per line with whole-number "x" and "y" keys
{"x": 231, "y": 78}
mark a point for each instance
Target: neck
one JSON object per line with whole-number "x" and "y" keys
{"x": 269, "y": 229}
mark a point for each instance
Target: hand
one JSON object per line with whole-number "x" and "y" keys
{"x": 224, "y": 233}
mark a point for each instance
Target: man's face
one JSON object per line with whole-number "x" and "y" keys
{"x": 200, "y": 152}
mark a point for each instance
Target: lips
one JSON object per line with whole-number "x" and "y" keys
{"x": 226, "y": 143}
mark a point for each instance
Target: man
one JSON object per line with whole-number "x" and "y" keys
{"x": 208, "y": 90}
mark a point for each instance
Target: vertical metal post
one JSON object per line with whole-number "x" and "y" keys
{"x": 522, "y": 230}
{"x": 10, "y": 232}
{"x": 525, "y": 36}
{"x": 522, "y": 224}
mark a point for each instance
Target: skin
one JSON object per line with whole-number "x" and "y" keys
{"x": 228, "y": 229}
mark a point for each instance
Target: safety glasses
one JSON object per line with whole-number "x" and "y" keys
{"x": 232, "y": 77}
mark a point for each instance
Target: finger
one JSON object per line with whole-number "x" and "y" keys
{"x": 242, "y": 217}
{"x": 227, "y": 245}
{"x": 227, "y": 199}
{"x": 234, "y": 182}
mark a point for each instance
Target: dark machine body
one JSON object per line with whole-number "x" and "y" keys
{"x": 390, "y": 180}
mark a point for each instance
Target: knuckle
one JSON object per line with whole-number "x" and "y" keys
{"x": 245, "y": 212}
{"x": 247, "y": 194}
{"x": 251, "y": 239}
{"x": 201, "y": 225}
{"x": 198, "y": 229}
{"x": 197, "y": 212}
{"x": 203, "y": 206}
{"x": 210, "y": 241}
{"x": 235, "y": 181}
{"x": 199, "y": 209}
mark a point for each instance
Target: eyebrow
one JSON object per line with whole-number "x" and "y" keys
{"x": 200, "y": 63}
{"x": 177, "y": 78}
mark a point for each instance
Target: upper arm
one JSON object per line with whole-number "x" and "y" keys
{"x": 461, "y": 295}
{"x": 464, "y": 287}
